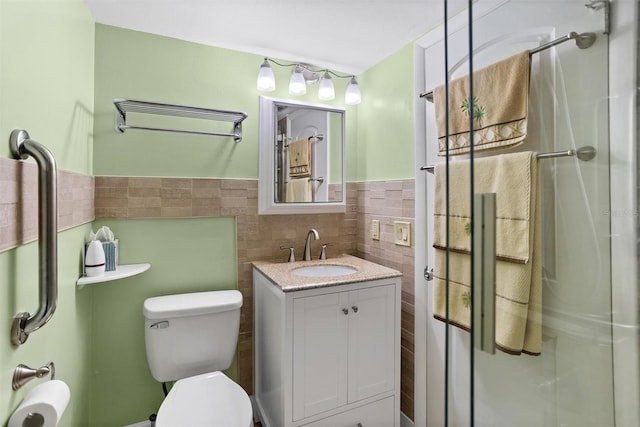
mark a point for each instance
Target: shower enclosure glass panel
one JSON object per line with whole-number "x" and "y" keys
{"x": 570, "y": 381}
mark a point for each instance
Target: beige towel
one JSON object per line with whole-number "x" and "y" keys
{"x": 300, "y": 158}
{"x": 299, "y": 190}
{"x": 513, "y": 178}
{"x": 499, "y": 107}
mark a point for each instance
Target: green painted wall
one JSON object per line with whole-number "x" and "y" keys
{"x": 146, "y": 67}
{"x": 141, "y": 66}
{"x": 46, "y": 87}
{"x": 50, "y": 85}
{"x": 186, "y": 255}
{"x": 385, "y": 134}
{"x": 46, "y": 84}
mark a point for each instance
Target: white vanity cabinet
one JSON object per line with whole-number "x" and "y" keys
{"x": 329, "y": 355}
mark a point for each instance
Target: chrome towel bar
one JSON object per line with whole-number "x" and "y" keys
{"x": 319, "y": 179}
{"x": 585, "y": 154}
{"x": 583, "y": 41}
{"x": 125, "y": 106}
{"x": 22, "y": 147}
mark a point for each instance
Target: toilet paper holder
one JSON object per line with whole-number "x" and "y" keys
{"x": 23, "y": 374}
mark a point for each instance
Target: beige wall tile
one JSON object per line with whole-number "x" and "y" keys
{"x": 260, "y": 236}
{"x": 112, "y": 181}
{"x": 144, "y": 192}
{"x": 182, "y": 183}
{"x": 19, "y": 201}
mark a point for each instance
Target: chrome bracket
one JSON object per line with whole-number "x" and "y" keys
{"x": 18, "y": 333}
{"x": 121, "y": 121}
{"x": 16, "y": 143}
{"x": 237, "y": 132}
{"x": 428, "y": 274}
{"x": 23, "y": 374}
{"x": 597, "y": 5}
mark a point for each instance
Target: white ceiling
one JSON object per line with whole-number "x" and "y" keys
{"x": 343, "y": 35}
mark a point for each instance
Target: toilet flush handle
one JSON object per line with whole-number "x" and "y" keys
{"x": 160, "y": 325}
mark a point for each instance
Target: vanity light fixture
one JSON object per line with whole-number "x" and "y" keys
{"x": 353, "y": 96}
{"x": 266, "y": 79}
{"x": 297, "y": 85}
{"x": 326, "y": 92}
{"x": 301, "y": 76}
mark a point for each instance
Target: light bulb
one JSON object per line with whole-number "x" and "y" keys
{"x": 326, "y": 92}
{"x": 297, "y": 85}
{"x": 266, "y": 79}
{"x": 352, "y": 95}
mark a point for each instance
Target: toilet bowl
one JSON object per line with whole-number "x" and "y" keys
{"x": 190, "y": 339}
{"x": 206, "y": 400}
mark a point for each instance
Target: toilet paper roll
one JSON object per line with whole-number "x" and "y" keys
{"x": 48, "y": 399}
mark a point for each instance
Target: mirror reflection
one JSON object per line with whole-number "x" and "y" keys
{"x": 308, "y": 161}
{"x": 305, "y": 145}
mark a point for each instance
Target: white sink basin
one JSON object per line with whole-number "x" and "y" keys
{"x": 323, "y": 270}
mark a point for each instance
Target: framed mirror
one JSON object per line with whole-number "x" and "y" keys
{"x": 301, "y": 168}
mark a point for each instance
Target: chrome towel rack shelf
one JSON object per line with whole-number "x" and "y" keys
{"x": 125, "y": 106}
{"x": 583, "y": 41}
{"x": 584, "y": 154}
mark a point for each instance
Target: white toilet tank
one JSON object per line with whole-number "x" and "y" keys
{"x": 191, "y": 334}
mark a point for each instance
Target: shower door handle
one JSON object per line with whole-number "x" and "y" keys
{"x": 484, "y": 276}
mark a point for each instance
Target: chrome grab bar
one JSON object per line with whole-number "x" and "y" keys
{"x": 22, "y": 146}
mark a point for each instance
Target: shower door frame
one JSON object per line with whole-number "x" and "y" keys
{"x": 625, "y": 184}
{"x": 624, "y": 208}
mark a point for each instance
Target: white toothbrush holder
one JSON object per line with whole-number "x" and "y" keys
{"x": 94, "y": 260}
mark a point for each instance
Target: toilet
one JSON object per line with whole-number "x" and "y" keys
{"x": 190, "y": 339}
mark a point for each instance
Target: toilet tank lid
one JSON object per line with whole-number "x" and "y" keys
{"x": 192, "y": 304}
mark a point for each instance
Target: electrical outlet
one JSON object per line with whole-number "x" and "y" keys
{"x": 375, "y": 229}
{"x": 402, "y": 233}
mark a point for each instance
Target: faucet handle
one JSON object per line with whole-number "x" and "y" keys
{"x": 292, "y": 256}
{"x": 323, "y": 254}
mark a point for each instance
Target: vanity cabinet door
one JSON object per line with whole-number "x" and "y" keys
{"x": 371, "y": 342}
{"x": 319, "y": 353}
{"x": 343, "y": 348}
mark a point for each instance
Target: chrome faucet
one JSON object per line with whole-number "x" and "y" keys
{"x": 307, "y": 245}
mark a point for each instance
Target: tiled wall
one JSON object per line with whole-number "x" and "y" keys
{"x": 388, "y": 202}
{"x": 260, "y": 236}
{"x": 19, "y": 202}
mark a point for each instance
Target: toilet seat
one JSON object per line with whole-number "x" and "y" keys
{"x": 210, "y": 399}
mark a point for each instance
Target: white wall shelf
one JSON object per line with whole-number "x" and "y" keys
{"x": 120, "y": 272}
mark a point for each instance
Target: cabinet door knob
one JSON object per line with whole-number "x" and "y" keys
{"x": 354, "y": 308}
{"x": 345, "y": 311}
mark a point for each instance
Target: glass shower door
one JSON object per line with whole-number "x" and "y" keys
{"x": 524, "y": 245}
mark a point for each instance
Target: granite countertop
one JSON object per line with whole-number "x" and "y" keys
{"x": 279, "y": 274}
